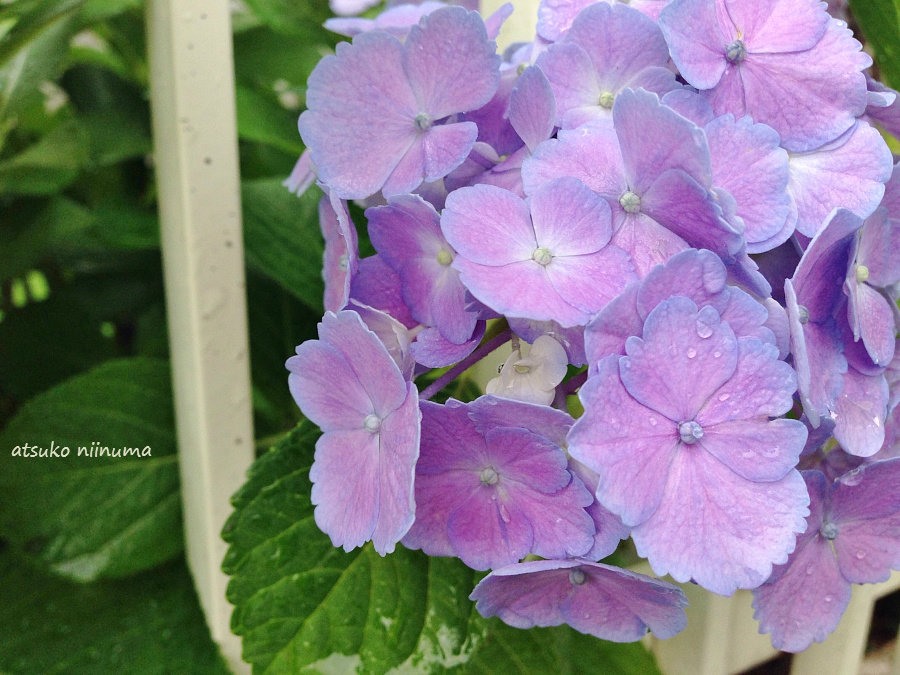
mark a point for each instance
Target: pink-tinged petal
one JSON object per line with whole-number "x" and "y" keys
{"x": 398, "y": 451}
{"x": 561, "y": 526}
{"x": 620, "y": 42}
{"x": 861, "y": 412}
{"x": 569, "y": 219}
{"x": 678, "y": 203}
{"x": 600, "y": 600}
{"x": 519, "y": 289}
{"x": 532, "y": 107}
{"x": 679, "y": 339}
{"x": 573, "y": 81}
{"x": 495, "y": 21}
{"x": 610, "y": 528}
{"x": 590, "y": 281}
{"x": 729, "y": 96}
{"x": 807, "y": 601}
{"x": 527, "y": 459}
{"x": 778, "y": 25}
{"x": 748, "y": 162}
{"x": 407, "y": 173}
{"x": 761, "y": 387}
{"x": 879, "y": 242}
{"x": 487, "y": 531}
{"x": 777, "y": 322}
{"x": 488, "y": 225}
{"x": 326, "y": 388}
{"x": 756, "y": 449}
{"x": 695, "y": 40}
{"x": 346, "y": 501}
{"x": 433, "y": 350}
{"x": 629, "y": 446}
{"x": 809, "y": 97}
{"x": 379, "y": 286}
{"x": 374, "y": 368}
{"x": 647, "y": 242}
{"x": 872, "y": 319}
{"x": 590, "y": 153}
{"x": 340, "y": 125}
{"x": 341, "y": 258}
{"x": 849, "y": 172}
{"x": 450, "y": 444}
{"x": 690, "y": 104}
{"x": 720, "y": 530}
{"x": 606, "y": 333}
{"x": 675, "y": 143}
{"x": 437, "y": 496}
{"x": 489, "y": 412}
{"x": 698, "y": 275}
{"x": 303, "y": 175}
{"x": 747, "y": 316}
{"x": 866, "y": 510}
{"x": 446, "y": 146}
{"x": 394, "y": 335}
{"x": 451, "y": 64}
{"x": 555, "y": 17}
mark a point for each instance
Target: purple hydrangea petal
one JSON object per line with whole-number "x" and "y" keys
{"x": 698, "y": 275}
{"x": 433, "y": 350}
{"x": 720, "y": 530}
{"x": 675, "y": 142}
{"x": 761, "y": 386}
{"x": 678, "y": 338}
{"x": 451, "y": 64}
{"x": 804, "y": 599}
{"x": 872, "y": 318}
{"x": 488, "y": 225}
{"x": 302, "y": 176}
{"x": 573, "y": 79}
{"x": 866, "y": 510}
{"x": 756, "y": 449}
{"x": 591, "y": 154}
{"x": 849, "y": 172}
{"x": 610, "y": 528}
{"x": 773, "y": 26}
{"x": 606, "y": 333}
{"x": 371, "y": 63}
{"x": 879, "y": 241}
{"x": 395, "y": 20}
{"x": 825, "y": 81}
{"x": 600, "y": 600}
{"x": 393, "y": 335}
{"x": 489, "y": 412}
{"x": 377, "y": 285}
{"x": 556, "y": 16}
{"x": 570, "y": 219}
{"x": 647, "y": 242}
{"x": 696, "y": 40}
{"x": 532, "y": 107}
{"x": 628, "y": 445}
{"x": 861, "y": 412}
{"x": 748, "y": 162}
{"x": 341, "y": 256}
{"x": 571, "y": 339}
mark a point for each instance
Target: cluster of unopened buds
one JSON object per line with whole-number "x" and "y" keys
{"x": 680, "y": 211}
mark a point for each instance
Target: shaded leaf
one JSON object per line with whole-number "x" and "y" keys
{"x": 87, "y": 517}
{"x": 282, "y": 238}
{"x": 263, "y": 120}
{"x": 880, "y": 23}
{"x": 149, "y": 624}
{"x": 289, "y": 16}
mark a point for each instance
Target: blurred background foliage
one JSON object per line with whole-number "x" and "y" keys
{"x": 92, "y": 577}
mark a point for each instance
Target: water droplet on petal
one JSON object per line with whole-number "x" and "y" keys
{"x": 747, "y": 454}
{"x": 652, "y": 421}
{"x": 809, "y": 570}
{"x": 828, "y": 598}
{"x": 724, "y": 397}
{"x": 717, "y": 354}
{"x": 704, "y": 330}
{"x": 860, "y": 555}
{"x": 691, "y": 353}
{"x": 504, "y": 513}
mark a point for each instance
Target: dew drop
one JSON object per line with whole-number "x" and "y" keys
{"x": 717, "y": 354}
{"x": 747, "y": 454}
{"x": 724, "y": 397}
{"x": 860, "y": 555}
{"x": 704, "y": 330}
{"x": 828, "y": 598}
{"x": 809, "y": 570}
{"x": 652, "y": 421}
{"x": 504, "y": 513}
{"x": 691, "y": 353}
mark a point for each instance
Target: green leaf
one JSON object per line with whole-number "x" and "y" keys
{"x": 290, "y": 16}
{"x": 880, "y": 23}
{"x": 86, "y": 517}
{"x": 50, "y": 164}
{"x": 29, "y": 57}
{"x": 32, "y": 19}
{"x": 149, "y": 624}
{"x": 302, "y": 605}
{"x": 282, "y": 238}
{"x": 262, "y": 56}
{"x": 260, "y": 118}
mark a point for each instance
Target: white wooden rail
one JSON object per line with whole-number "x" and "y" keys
{"x": 195, "y": 151}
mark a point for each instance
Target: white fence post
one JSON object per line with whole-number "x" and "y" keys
{"x": 195, "y": 139}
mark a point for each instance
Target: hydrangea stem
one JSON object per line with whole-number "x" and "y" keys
{"x": 485, "y": 348}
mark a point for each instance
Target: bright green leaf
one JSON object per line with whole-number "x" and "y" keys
{"x": 87, "y": 517}
{"x": 282, "y": 238}
{"x": 302, "y": 605}
{"x": 148, "y": 624}
{"x": 50, "y": 164}
{"x": 880, "y": 23}
{"x": 290, "y": 16}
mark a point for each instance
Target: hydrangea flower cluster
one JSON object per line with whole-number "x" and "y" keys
{"x": 680, "y": 211}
